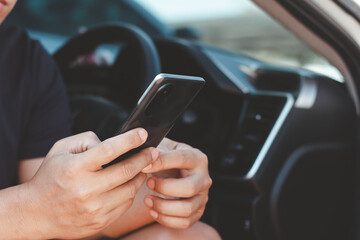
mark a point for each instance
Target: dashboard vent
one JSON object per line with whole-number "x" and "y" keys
{"x": 261, "y": 116}
{"x": 257, "y": 120}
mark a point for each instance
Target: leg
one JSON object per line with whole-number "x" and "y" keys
{"x": 199, "y": 231}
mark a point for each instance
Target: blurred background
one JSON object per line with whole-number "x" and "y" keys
{"x": 240, "y": 26}
{"x": 237, "y": 26}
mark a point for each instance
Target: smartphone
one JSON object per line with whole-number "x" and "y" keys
{"x": 162, "y": 103}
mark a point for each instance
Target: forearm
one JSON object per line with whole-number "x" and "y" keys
{"x": 16, "y": 217}
{"x": 136, "y": 217}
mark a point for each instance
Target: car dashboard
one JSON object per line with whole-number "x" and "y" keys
{"x": 265, "y": 130}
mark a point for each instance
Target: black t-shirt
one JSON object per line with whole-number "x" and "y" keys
{"x": 34, "y": 111}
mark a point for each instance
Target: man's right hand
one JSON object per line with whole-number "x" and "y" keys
{"x": 71, "y": 196}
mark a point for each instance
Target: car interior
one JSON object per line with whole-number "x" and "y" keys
{"x": 280, "y": 140}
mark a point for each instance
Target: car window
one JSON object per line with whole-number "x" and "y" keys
{"x": 238, "y": 26}
{"x": 357, "y": 2}
{"x": 68, "y": 17}
{"x": 242, "y": 27}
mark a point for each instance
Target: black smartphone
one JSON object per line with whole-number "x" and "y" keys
{"x": 162, "y": 103}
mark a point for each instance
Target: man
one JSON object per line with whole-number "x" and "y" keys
{"x": 67, "y": 194}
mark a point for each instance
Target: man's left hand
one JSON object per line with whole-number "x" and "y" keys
{"x": 181, "y": 175}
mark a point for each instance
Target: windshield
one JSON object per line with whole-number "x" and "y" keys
{"x": 234, "y": 25}
{"x": 242, "y": 27}
{"x": 69, "y": 17}
{"x": 357, "y": 2}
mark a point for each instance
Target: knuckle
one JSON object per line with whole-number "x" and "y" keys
{"x": 147, "y": 154}
{"x": 201, "y": 210}
{"x": 92, "y": 210}
{"x": 59, "y": 143}
{"x": 188, "y": 210}
{"x": 62, "y": 184}
{"x": 160, "y": 163}
{"x": 141, "y": 179}
{"x": 129, "y": 203}
{"x": 190, "y": 189}
{"x": 150, "y": 151}
{"x": 67, "y": 175}
{"x": 82, "y": 194}
{"x": 91, "y": 138}
{"x": 127, "y": 170}
{"x": 204, "y": 158}
{"x": 208, "y": 182}
{"x": 99, "y": 224}
{"x": 87, "y": 214}
{"x": 90, "y": 135}
{"x": 206, "y": 199}
{"x": 107, "y": 150}
{"x": 181, "y": 156}
{"x": 132, "y": 190}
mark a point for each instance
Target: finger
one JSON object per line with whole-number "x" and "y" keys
{"x": 178, "y": 187}
{"x": 123, "y": 193}
{"x": 177, "y": 208}
{"x": 76, "y": 144}
{"x": 168, "y": 144}
{"x": 115, "y": 213}
{"x": 121, "y": 172}
{"x": 176, "y": 222}
{"x": 112, "y": 148}
{"x": 185, "y": 159}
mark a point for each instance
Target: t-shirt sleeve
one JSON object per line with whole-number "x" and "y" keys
{"x": 49, "y": 118}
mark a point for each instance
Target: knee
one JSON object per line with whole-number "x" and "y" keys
{"x": 199, "y": 231}
{"x": 204, "y": 231}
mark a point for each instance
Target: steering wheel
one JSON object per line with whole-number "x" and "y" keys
{"x": 135, "y": 39}
{"x": 139, "y": 54}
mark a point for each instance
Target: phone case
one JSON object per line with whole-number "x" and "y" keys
{"x": 162, "y": 103}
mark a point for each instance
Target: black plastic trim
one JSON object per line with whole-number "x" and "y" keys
{"x": 342, "y": 43}
{"x": 329, "y": 32}
{"x": 350, "y": 7}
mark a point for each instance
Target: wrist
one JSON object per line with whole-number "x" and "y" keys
{"x": 32, "y": 217}
{"x": 18, "y": 218}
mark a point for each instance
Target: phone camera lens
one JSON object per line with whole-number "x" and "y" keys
{"x": 166, "y": 94}
{"x": 161, "y": 100}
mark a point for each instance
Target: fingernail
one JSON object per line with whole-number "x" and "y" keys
{"x": 155, "y": 154}
{"x": 154, "y": 214}
{"x": 149, "y": 202}
{"x": 143, "y": 134}
{"x": 147, "y": 168}
{"x": 151, "y": 184}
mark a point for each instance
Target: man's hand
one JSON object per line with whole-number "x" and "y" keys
{"x": 181, "y": 172}
{"x": 71, "y": 196}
